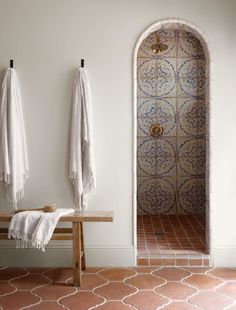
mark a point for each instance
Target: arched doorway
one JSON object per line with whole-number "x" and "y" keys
{"x": 171, "y": 145}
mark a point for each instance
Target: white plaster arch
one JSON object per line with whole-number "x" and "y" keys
{"x": 181, "y": 24}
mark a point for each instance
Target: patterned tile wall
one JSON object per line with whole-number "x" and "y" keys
{"x": 171, "y": 91}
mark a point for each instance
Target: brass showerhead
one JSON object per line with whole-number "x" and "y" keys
{"x": 159, "y": 46}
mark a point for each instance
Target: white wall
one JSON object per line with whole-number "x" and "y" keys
{"x": 47, "y": 39}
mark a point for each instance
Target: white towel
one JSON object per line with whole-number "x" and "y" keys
{"x": 82, "y": 168}
{"x": 35, "y": 228}
{"x": 13, "y": 152}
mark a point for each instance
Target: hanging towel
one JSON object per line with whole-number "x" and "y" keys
{"x": 34, "y": 229}
{"x": 13, "y": 152}
{"x": 82, "y": 170}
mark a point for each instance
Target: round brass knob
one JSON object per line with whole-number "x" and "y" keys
{"x": 156, "y": 130}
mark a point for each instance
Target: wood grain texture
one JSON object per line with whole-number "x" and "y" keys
{"x": 85, "y": 216}
{"x": 77, "y": 263}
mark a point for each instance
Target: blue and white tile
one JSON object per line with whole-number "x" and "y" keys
{"x": 188, "y": 87}
{"x": 166, "y": 68}
{"x": 187, "y": 166}
{"x": 165, "y": 107}
{"x": 202, "y": 126}
{"x": 147, "y": 87}
{"x": 201, "y": 165}
{"x": 203, "y": 108}
{"x": 146, "y": 107}
{"x": 165, "y": 166}
{"x": 165, "y": 33}
{"x": 188, "y": 68}
{"x": 202, "y": 85}
{"x": 166, "y": 87}
{"x": 169, "y": 126}
{"x": 188, "y": 107}
{"x": 166, "y": 185}
{"x": 200, "y": 51}
{"x": 201, "y": 189}
{"x": 146, "y": 166}
{"x": 201, "y": 205}
{"x": 188, "y": 46}
{"x": 146, "y": 147}
{"x": 202, "y": 70}
{"x": 187, "y": 185}
{"x": 146, "y": 68}
{"x": 187, "y": 126}
{"x": 184, "y": 33}
{"x": 166, "y": 147}
{"x": 187, "y": 204}
{"x": 165, "y": 205}
{"x": 146, "y": 194}
{"x": 187, "y": 146}
{"x": 201, "y": 147}
{"x": 143, "y": 126}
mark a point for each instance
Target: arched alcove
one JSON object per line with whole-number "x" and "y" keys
{"x": 171, "y": 170}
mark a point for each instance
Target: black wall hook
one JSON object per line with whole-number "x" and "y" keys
{"x": 82, "y": 63}
{"x": 11, "y": 63}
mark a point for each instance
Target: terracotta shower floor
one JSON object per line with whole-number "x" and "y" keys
{"x": 179, "y": 239}
{"x": 140, "y": 288}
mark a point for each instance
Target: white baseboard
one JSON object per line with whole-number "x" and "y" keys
{"x": 61, "y": 256}
{"x": 224, "y": 256}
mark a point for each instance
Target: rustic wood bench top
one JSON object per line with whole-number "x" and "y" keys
{"x": 85, "y": 216}
{"x": 75, "y": 234}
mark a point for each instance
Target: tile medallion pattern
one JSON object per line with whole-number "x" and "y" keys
{"x": 171, "y": 91}
{"x": 130, "y": 288}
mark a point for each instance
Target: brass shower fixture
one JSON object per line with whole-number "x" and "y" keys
{"x": 158, "y": 46}
{"x": 156, "y": 130}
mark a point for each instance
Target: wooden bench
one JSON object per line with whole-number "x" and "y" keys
{"x": 75, "y": 234}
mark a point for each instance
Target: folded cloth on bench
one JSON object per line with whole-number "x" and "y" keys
{"x": 34, "y": 229}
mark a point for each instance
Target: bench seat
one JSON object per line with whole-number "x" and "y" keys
{"x": 75, "y": 234}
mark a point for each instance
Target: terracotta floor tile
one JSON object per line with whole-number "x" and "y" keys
{"x": 59, "y": 274}
{"x": 115, "y": 290}
{"x": 18, "y": 300}
{"x": 143, "y": 262}
{"x": 82, "y": 301}
{"x": 180, "y": 305}
{"x": 37, "y": 269}
{"x": 116, "y": 274}
{"x": 167, "y": 295}
{"x": 202, "y": 281}
{"x": 30, "y": 281}
{"x": 224, "y": 273}
{"x": 171, "y": 273}
{"x": 146, "y": 300}
{"x": 145, "y": 281}
{"x": 6, "y": 288}
{"x": 197, "y": 269}
{"x": 228, "y": 289}
{"x": 48, "y": 305}
{"x": 143, "y": 269}
{"x": 54, "y": 291}
{"x": 91, "y": 281}
{"x": 114, "y": 305}
{"x": 93, "y": 269}
{"x": 9, "y": 273}
{"x": 170, "y": 233}
{"x": 211, "y": 300}
{"x": 176, "y": 290}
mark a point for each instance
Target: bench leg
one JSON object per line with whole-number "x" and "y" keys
{"x": 83, "y": 250}
{"x": 77, "y": 274}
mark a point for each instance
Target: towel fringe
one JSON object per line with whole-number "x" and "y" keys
{"x": 23, "y": 240}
